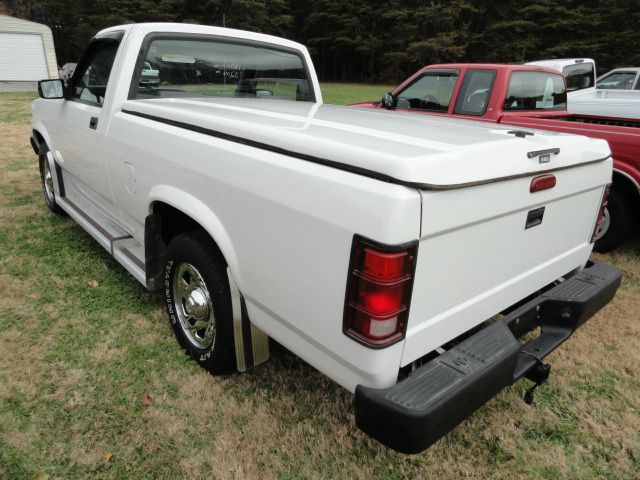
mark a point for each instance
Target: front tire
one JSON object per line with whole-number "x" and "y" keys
{"x": 198, "y": 301}
{"x": 617, "y": 223}
{"x": 46, "y": 179}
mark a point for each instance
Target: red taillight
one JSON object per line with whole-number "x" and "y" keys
{"x": 380, "y": 298}
{"x": 542, "y": 182}
{"x": 603, "y": 207}
{"x": 383, "y": 265}
{"x": 379, "y": 292}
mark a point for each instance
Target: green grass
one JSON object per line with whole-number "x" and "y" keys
{"x": 14, "y": 108}
{"x": 346, "y": 93}
{"x": 335, "y": 93}
{"x": 76, "y": 360}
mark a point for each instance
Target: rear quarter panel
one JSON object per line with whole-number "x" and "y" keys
{"x": 289, "y": 225}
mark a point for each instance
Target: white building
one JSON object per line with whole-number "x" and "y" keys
{"x": 26, "y": 51}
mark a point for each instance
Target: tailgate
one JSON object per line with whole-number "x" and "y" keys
{"x": 476, "y": 256}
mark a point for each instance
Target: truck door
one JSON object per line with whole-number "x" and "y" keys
{"x": 475, "y": 93}
{"x": 82, "y": 142}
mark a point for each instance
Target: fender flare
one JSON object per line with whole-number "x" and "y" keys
{"x": 204, "y": 216}
{"x": 39, "y": 129}
{"x": 630, "y": 173}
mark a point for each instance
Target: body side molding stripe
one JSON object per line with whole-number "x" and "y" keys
{"x": 110, "y": 238}
{"x": 342, "y": 166}
{"x": 90, "y": 220}
{"x": 130, "y": 255}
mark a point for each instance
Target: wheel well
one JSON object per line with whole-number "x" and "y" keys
{"x": 174, "y": 221}
{"x": 626, "y": 187}
{"x": 161, "y": 225}
{"x": 38, "y": 136}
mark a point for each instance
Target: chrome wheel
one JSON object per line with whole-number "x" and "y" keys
{"x": 193, "y": 306}
{"x": 604, "y": 225}
{"x": 47, "y": 180}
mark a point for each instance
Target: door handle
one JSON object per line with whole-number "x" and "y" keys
{"x": 93, "y": 123}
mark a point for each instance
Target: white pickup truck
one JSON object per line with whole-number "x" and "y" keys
{"x": 401, "y": 255}
{"x": 587, "y": 95}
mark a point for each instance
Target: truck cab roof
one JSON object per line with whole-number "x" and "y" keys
{"x": 559, "y": 63}
{"x": 183, "y": 28}
{"x": 492, "y": 66}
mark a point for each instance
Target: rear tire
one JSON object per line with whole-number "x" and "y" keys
{"x": 198, "y": 301}
{"x": 46, "y": 179}
{"x": 618, "y": 222}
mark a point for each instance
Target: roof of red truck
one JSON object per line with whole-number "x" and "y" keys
{"x": 495, "y": 66}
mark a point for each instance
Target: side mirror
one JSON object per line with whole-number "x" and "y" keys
{"x": 261, "y": 92}
{"x": 51, "y": 89}
{"x": 388, "y": 101}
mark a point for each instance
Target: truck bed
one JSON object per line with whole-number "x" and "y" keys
{"x": 416, "y": 151}
{"x": 623, "y": 135}
{"x": 470, "y": 195}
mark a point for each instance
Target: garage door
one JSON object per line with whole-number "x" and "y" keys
{"x": 22, "y": 57}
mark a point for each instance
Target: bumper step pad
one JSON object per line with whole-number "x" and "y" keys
{"x": 413, "y": 414}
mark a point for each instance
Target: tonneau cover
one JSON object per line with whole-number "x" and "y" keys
{"x": 417, "y": 150}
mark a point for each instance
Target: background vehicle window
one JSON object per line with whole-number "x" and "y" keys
{"x": 618, "y": 81}
{"x": 475, "y": 92}
{"x": 536, "y": 91}
{"x": 431, "y": 91}
{"x": 89, "y": 83}
{"x": 578, "y": 76}
{"x": 190, "y": 68}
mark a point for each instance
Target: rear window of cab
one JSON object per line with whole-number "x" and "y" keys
{"x": 174, "y": 66}
{"x": 535, "y": 91}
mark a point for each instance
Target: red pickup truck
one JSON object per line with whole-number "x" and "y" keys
{"x": 528, "y": 96}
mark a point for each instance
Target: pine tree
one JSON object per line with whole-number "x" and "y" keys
{"x": 378, "y": 40}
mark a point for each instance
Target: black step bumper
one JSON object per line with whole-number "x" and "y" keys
{"x": 413, "y": 414}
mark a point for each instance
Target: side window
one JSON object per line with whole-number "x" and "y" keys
{"x": 618, "y": 81}
{"x": 431, "y": 91}
{"x": 473, "y": 98}
{"x": 535, "y": 91}
{"x": 578, "y": 76}
{"x": 90, "y": 80}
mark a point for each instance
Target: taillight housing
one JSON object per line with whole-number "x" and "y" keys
{"x": 379, "y": 292}
{"x": 600, "y": 218}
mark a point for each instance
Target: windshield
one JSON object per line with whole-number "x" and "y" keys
{"x": 536, "y": 91}
{"x": 213, "y": 67}
{"x": 618, "y": 81}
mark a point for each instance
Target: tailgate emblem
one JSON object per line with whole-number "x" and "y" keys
{"x": 544, "y": 156}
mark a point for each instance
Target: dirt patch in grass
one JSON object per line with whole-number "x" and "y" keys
{"x": 25, "y": 377}
{"x": 10, "y": 288}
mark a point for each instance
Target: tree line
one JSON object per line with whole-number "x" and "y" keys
{"x": 376, "y": 40}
